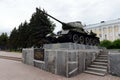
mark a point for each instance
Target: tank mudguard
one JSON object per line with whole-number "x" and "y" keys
{"x": 65, "y": 32}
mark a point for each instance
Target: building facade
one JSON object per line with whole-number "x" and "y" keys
{"x": 106, "y": 30}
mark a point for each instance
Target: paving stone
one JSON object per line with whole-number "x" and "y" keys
{"x": 15, "y": 70}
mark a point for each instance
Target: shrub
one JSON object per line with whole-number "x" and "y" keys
{"x": 116, "y": 44}
{"x": 106, "y": 43}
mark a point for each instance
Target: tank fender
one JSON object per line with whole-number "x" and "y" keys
{"x": 65, "y": 32}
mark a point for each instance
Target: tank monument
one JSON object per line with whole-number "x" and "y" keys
{"x": 70, "y": 52}
{"x": 73, "y": 32}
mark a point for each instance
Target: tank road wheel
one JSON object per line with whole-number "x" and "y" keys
{"x": 75, "y": 38}
{"x": 93, "y": 42}
{"x": 96, "y": 42}
{"x": 90, "y": 41}
{"x": 81, "y": 40}
{"x": 87, "y": 41}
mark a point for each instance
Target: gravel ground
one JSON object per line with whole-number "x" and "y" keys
{"x": 15, "y": 70}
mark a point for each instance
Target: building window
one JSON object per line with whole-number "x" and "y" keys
{"x": 104, "y": 30}
{"x": 99, "y": 30}
{"x": 105, "y": 36}
{"x": 100, "y": 35}
{"x": 119, "y": 35}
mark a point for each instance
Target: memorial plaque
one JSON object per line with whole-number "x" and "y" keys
{"x": 39, "y": 54}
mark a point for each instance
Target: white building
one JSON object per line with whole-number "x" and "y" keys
{"x": 109, "y": 30}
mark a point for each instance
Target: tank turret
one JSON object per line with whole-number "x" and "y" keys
{"x": 73, "y": 32}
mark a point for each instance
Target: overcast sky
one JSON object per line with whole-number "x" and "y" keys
{"x": 13, "y": 12}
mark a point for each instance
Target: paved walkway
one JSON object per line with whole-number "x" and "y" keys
{"x": 11, "y": 54}
{"x": 16, "y": 70}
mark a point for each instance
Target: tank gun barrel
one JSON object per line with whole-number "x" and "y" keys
{"x": 64, "y": 25}
{"x": 53, "y": 17}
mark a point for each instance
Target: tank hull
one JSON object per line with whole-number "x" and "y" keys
{"x": 76, "y": 37}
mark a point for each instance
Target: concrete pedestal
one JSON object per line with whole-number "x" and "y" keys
{"x": 28, "y": 56}
{"x": 114, "y": 63}
{"x": 66, "y": 59}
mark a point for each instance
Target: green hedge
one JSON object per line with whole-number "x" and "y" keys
{"x": 106, "y": 43}
{"x": 110, "y": 45}
{"x": 116, "y": 44}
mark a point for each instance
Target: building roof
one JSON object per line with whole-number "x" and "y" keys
{"x": 103, "y": 23}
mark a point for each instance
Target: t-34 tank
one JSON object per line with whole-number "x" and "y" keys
{"x": 73, "y": 32}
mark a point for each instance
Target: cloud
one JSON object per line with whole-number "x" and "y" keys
{"x": 13, "y": 12}
{"x": 104, "y": 10}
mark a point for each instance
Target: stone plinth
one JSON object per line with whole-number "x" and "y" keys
{"x": 114, "y": 63}
{"x": 66, "y": 59}
{"x": 28, "y": 56}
